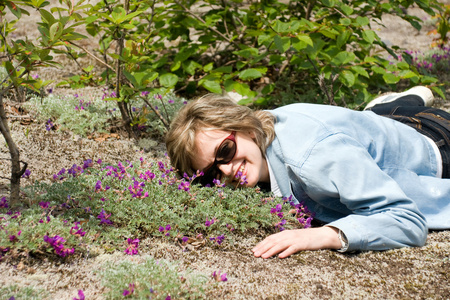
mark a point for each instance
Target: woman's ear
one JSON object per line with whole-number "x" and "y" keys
{"x": 252, "y": 134}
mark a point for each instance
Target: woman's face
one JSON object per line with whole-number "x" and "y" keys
{"x": 248, "y": 158}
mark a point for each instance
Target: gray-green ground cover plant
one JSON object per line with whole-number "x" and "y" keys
{"x": 89, "y": 114}
{"x": 110, "y": 207}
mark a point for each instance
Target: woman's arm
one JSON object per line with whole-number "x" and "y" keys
{"x": 289, "y": 242}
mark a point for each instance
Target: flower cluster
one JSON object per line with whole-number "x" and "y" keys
{"x": 3, "y": 203}
{"x": 14, "y": 238}
{"x": 219, "y": 277}
{"x": 210, "y": 222}
{"x": 78, "y": 231}
{"x": 82, "y": 105}
{"x": 136, "y": 190}
{"x": 219, "y": 239}
{"x": 302, "y": 214}
{"x": 132, "y": 248}
{"x": 57, "y": 242}
{"x": 49, "y": 125}
{"x": 165, "y": 230}
{"x": 104, "y": 218}
{"x": 129, "y": 291}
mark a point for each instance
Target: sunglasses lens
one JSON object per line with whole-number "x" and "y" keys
{"x": 226, "y": 152}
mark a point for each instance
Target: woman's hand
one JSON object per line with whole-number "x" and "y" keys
{"x": 289, "y": 242}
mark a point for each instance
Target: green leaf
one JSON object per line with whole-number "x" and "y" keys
{"x": 345, "y": 21}
{"x": 407, "y": 74}
{"x": 247, "y": 53}
{"x": 306, "y": 39}
{"x": 168, "y": 80}
{"x": 223, "y": 69}
{"x": 249, "y": 74}
{"x": 16, "y": 11}
{"x": 208, "y": 67}
{"x": 47, "y": 17}
{"x": 282, "y": 43}
{"x": 268, "y": 89}
{"x": 56, "y": 30}
{"x": 343, "y": 38}
{"x": 264, "y": 37}
{"x": 281, "y": 26}
{"x": 212, "y": 86}
{"x": 369, "y": 36}
{"x": 238, "y": 87}
{"x": 360, "y": 71}
{"x": 343, "y": 58}
{"x": 390, "y": 78}
{"x": 91, "y": 19}
{"x": 378, "y": 70}
{"x": 328, "y": 3}
{"x": 362, "y": 21}
{"x": 438, "y": 91}
{"x": 190, "y": 66}
{"x": 347, "y": 10}
{"x": 348, "y": 78}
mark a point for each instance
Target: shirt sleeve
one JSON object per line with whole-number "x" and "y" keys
{"x": 339, "y": 169}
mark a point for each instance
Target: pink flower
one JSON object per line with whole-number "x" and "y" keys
{"x": 132, "y": 248}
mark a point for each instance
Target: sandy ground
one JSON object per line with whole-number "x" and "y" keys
{"x": 409, "y": 273}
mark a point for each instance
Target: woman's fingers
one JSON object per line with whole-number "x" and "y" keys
{"x": 289, "y": 242}
{"x": 277, "y": 243}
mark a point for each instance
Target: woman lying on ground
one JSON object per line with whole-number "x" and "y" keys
{"x": 378, "y": 179}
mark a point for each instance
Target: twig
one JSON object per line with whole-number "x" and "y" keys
{"x": 92, "y": 55}
{"x": 203, "y": 21}
{"x": 156, "y": 112}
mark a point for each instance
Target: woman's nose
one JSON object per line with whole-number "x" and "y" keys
{"x": 227, "y": 170}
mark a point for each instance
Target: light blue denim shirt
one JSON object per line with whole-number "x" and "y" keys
{"x": 371, "y": 177}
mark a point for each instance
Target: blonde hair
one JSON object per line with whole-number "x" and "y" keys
{"x": 214, "y": 111}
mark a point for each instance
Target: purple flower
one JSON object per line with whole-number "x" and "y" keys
{"x": 26, "y": 174}
{"x": 171, "y": 101}
{"x": 87, "y": 163}
{"x": 218, "y": 239}
{"x": 132, "y": 248}
{"x": 210, "y": 222}
{"x": 219, "y": 277}
{"x": 145, "y": 93}
{"x": 44, "y": 205}
{"x": 185, "y": 239}
{"x": 35, "y": 76}
{"x": 103, "y": 216}
{"x": 184, "y": 185}
{"x": 98, "y": 186}
{"x": 130, "y": 291}
{"x": 276, "y": 209}
{"x": 14, "y": 238}
{"x": 80, "y": 295}
{"x": 78, "y": 231}
{"x": 49, "y": 125}
{"x": 165, "y": 230}
{"x": 3, "y": 203}
{"x": 57, "y": 242}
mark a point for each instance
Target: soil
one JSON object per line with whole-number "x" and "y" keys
{"x": 408, "y": 273}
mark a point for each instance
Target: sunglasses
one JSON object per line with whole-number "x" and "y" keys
{"x": 225, "y": 153}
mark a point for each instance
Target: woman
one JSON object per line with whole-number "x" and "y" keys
{"x": 375, "y": 182}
